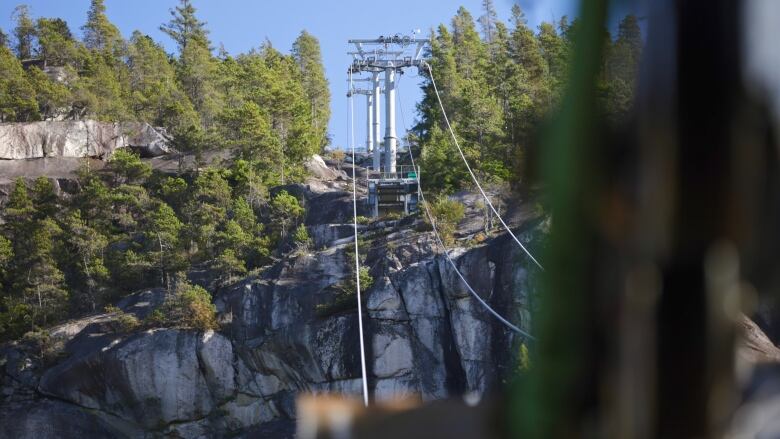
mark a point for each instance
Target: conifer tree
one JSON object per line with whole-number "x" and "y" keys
{"x": 162, "y": 241}
{"x": 100, "y": 34}
{"x": 488, "y": 21}
{"x": 197, "y": 69}
{"x": 185, "y": 28}
{"x": 56, "y": 45}
{"x": 155, "y": 94}
{"x": 6, "y": 255}
{"x": 470, "y": 53}
{"x": 306, "y": 51}
{"x": 555, "y": 51}
{"x": 36, "y": 278}
{"x": 52, "y": 97}
{"x": 101, "y": 91}
{"x": 286, "y": 211}
{"x": 17, "y": 96}
{"x": 197, "y": 73}
{"x": 24, "y": 32}
{"x": 43, "y": 286}
{"x": 87, "y": 246}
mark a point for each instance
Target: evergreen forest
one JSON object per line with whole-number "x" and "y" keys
{"x": 129, "y": 227}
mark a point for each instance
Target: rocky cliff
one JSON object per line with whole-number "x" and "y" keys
{"x": 87, "y": 138}
{"x": 284, "y": 331}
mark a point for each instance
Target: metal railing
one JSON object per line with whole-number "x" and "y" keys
{"x": 401, "y": 172}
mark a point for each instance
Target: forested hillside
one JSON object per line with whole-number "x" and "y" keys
{"x": 499, "y": 83}
{"x": 127, "y": 227}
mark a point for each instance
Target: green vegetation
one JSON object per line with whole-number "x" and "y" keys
{"x": 123, "y": 322}
{"x": 301, "y": 237}
{"x": 127, "y": 227}
{"x": 523, "y": 359}
{"x": 271, "y": 108}
{"x": 346, "y": 298}
{"x": 189, "y": 307}
{"x": 447, "y": 213}
{"x": 499, "y": 88}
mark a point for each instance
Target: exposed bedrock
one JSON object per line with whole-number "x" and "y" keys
{"x": 85, "y": 138}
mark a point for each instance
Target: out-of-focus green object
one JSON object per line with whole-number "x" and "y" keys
{"x": 549, "y": 402}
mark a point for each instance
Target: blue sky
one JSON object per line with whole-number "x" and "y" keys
{"x": 243, "y": 24}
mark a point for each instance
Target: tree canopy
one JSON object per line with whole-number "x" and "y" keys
{"x": 498, "y": 89}
{"x": 128, "y": 227}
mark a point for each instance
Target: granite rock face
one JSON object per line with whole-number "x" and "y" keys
{"x": 86, "y": 138}
{"x": 285, "y": 331}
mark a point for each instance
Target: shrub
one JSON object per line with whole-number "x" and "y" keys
{"x": 392, "y": 216}
{"x": 338, "y": 155}
{"x": 301, "y": 237}
{"x": 347, "y": 296}
{"x": 123, "y": 322}
{"x": 447, "y": 214}
{"x": 15, "y": 320}
{"x": 229, "y": 265}
{"x": 363, "y": 219}
{"x": 48, "y": 348}
{"x": 189, "y": 307}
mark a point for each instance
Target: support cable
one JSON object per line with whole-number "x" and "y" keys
{"x": 474, "y": 177}
{"x": 351, "y": 140}
{"x": 482, "y": 302}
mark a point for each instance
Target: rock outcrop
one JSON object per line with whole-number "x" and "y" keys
{"x": 86, "y": 138}
{"x": 292, "y": 328}
{"x": 282, "y": 335}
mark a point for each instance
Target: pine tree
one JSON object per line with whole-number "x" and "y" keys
{"x": 17, "y": 96}
{"x": 52, "y": 97}
{"x": 206, "y": 212}
{"x": 525, "y": 48}
{"x": 56, "y": 45}
{"x": 128, "y": 168}
{"x": 24, "y": 32}
{"x": 555, "y": 52}
{"x": 529, "y": 95}
{"x": 162, "y": 241}
{"x": 37, "y": 280}
{"x": 86, "y": 246}
{"x": 101, "y": 90}
{"x": 100, "y": 34}
{"x": 488, "y": 20}
{"x": 155, "y": 93}
{"x": 306, "y": 51}
{"x": 44, "y": 198}
{"x": 185, "y": 28}
{"x": 43, "y": 284}
{"x": 6, "y": 256}
{"x": 197, "y": 69}
{"x": 197, "y": 73}
{"x": 286, "y": 211}
{"x": 470, "y": 53}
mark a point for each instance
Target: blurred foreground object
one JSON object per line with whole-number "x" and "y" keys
{"x": 664, "y": 229}
{"x": 336, "y": 417}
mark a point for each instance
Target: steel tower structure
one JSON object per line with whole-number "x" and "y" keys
{"x": 388, "y": 56}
